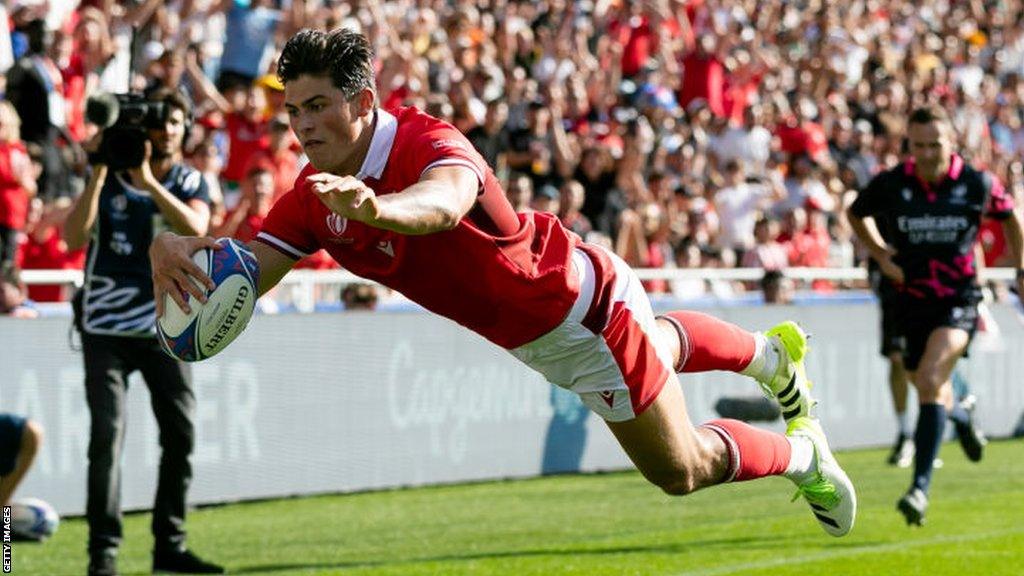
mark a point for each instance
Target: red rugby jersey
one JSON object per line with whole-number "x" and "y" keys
{"x": 506, "y": 276}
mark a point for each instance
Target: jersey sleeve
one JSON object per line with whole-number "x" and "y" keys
{"x": 872, "y": 200}
{"x": 286, "y": 228}
{"x": 443, "y": 145}
{"x": 999, "y": 204}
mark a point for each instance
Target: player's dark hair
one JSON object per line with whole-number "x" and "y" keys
{"x": 928, "y": 114}
{"x": 343, "y": 55}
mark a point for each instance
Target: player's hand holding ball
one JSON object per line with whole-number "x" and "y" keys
{"x": 203, "y": 302}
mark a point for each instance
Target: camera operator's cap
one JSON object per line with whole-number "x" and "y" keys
{"x": 271, "y": 82}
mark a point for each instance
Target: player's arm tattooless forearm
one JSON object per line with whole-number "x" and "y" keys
{"x": 434, "y": 204}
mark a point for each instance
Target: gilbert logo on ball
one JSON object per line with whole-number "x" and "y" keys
{"x": 210, "y": 327}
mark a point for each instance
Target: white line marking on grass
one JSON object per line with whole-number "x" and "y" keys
{"x": 831, "y": 554}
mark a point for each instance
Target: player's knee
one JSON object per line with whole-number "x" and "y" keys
{"x": 670, "y": 333}
{"x": 929, "y": 382}
{"x": 32, "y": 437}
{"x": 678, "y": 482}
{"x": 678, "y": 487}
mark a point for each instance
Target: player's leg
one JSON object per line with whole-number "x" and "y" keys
{"x": 961, "y": 408}
{"x": 612, "y": 352}
{"x": 701, "y": 343}
{"x": 20, "y": 439}
{"x": 943, "y": 347}
{"x": 903, "y": 450}
{"x": 679, "y": 458}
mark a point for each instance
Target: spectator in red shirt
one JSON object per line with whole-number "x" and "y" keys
{"x": 279, "y": 157}
{"x": 704, "y": 76}
{"x": 633, "y": 32}
{"x": 45, "y": 249}
{"x": 807, "y": 242}
{"x": 17, "y": 182}
{"x": 800, "y": 134}
{"x": 244, "y": 118}
{"x": 246, "y": 219}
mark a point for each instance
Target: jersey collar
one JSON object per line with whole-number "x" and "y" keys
{"x": 384, "y": 130}
{"x": 956, "y": 167}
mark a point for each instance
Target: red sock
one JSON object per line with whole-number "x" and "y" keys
{"x": 707, "y": 343}
{"x": 753, "y": 453}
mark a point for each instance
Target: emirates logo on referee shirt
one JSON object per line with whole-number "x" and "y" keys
{"x": 336, "y": 224}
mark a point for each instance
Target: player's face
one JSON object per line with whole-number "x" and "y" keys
{"x": 931, "y": 145}
{"x": 334, "y": 130}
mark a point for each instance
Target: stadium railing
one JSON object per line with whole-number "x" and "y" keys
{"x": 302, "y": 290}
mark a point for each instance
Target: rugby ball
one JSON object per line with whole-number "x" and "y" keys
{"x": 33, "y": 519}
{"x": 210, "y": 327}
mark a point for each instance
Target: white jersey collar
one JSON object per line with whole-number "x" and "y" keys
{"x": 385, "y": 128}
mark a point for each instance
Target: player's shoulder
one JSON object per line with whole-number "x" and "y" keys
{"x": 889, "y": 177}
{"x": 417, "y": 128}
{"x": 975, "y": 175}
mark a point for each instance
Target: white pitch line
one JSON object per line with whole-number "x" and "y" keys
{"x": 867, "y": 549}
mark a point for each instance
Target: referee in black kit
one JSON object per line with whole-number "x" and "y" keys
{"x": 931, "y": 207}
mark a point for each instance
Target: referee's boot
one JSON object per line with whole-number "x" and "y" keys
{"x": 902, "y": 454}
{"x": 971, "y": 438}
{"x": 913, "y": 506}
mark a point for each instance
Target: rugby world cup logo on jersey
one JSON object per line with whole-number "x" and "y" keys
{"x": 336, "y": 224}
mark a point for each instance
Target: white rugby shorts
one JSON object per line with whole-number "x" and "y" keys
{"x": 609, "y": 349}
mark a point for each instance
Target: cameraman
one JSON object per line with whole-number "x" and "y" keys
{"x": 118, "y": 214}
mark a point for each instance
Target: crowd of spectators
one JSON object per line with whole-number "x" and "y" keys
{"x": 698, "y": 133}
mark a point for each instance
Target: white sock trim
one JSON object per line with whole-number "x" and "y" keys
{"x": 802, "y": 463}
{"x": 765, "y": 362}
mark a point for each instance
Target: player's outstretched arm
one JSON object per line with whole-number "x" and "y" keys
{"x": 174, "y": 272}
{"x": 435, "y": 203}
{"x": 273, "y": 265}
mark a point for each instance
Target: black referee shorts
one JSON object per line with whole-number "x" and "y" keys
{"x": 892, "y": 337}
{"x": 917, "y": 322}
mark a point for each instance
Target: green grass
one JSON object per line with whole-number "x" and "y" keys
{"x": 613, "y": 524}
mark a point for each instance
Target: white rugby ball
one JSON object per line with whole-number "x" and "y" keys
{"x": 210, "y": 327}
{"x": 33, "y": 519}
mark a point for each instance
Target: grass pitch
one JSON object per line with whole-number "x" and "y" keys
{"x": 610, "y": 524}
